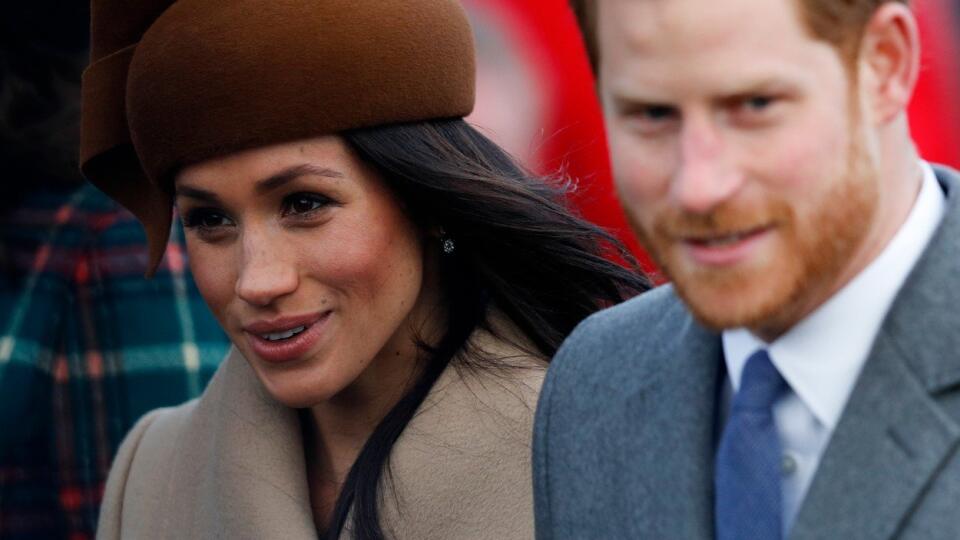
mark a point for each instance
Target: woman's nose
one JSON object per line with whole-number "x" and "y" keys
{"x": 267, "y": 272}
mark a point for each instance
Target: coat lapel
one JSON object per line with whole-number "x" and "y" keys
{"x": 465, "y": 453}
{"x": 893, "y": 435}
{"x": 258, "y": 487}
{"x": 890, "y": 441}
{"x": 670, "y": 431}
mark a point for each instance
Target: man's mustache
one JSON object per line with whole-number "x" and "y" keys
{"x": 725, "y": 220}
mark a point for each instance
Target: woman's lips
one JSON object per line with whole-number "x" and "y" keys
{"x": 292, "y": 348}
{"x": 726, "y": 250}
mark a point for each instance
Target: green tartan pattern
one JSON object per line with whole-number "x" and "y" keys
{"x": 87, "y": 346}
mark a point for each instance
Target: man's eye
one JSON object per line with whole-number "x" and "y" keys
{"x": 656, "y": 113}
{"x": 651, "y": 120}
{"x": 758, "y": 103}
{"x": 205, "y": 219}
{"x": 304, "y": 203}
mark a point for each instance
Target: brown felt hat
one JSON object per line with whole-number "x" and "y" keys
{"x": 173, "y": 83}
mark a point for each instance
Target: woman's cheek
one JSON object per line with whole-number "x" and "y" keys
{"x": 360, "y": 266}
{"x": 213, "y": 273}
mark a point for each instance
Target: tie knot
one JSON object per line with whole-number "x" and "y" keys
{"x": 760, "y": 385}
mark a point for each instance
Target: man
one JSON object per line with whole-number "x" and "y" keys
{"x": 800, "y": 376}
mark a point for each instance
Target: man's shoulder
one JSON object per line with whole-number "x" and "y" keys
{"x": 618, "y": 342}
{"x": 649, "y": 307}
{"x": 624, "y": 327}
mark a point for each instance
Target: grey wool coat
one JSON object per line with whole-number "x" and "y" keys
{"x": 230, "y": 464}
{"x": 626, "y": 427}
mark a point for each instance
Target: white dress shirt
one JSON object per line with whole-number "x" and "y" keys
{"x": 822, "y": 355}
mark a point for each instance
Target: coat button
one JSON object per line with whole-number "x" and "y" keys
{"x": 788, "y": 465}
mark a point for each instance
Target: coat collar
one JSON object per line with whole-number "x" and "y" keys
{"x": 924, "y": 316}
{"x": 259, "y": 472}
{"x": 893, "y": 436}
{"x": 254, "y": 475}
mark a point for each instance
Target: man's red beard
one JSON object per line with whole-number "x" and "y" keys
{"x": 771, "y": 295}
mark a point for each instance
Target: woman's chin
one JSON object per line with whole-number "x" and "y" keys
{"x": 297, "y": 386}
{"x": 296, "y": 394}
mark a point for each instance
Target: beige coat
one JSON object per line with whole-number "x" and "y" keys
{"x": 230, "y": 464}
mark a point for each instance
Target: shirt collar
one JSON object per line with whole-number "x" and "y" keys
{"x": 822, "y": 355}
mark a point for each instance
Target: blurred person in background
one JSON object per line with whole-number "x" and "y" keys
{"x": 798, "y": 378}
{"x": 86, "y": 344}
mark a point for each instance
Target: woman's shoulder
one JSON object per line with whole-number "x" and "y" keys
{"x": 499, "y": 375}
{"x": 151, "y": 440}
{"x": 219, "y": 466}
{"x": 144, "y": 458}
{"x": 155, "y": 438}
{"x": 159, "y": 457}
{"x": 151, "y": 436}
{"x": 461, "y": 468}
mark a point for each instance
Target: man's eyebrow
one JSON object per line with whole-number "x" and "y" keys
{"x": 762, "y": 86}
{"x": 629, "y": 99}
{"x": 276, "y": 180}
{"x": 633, "y": 103}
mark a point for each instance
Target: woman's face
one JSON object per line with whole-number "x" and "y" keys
{"x": 311, "y": 265}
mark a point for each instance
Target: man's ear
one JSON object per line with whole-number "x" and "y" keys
{"x": 889, "y": 60}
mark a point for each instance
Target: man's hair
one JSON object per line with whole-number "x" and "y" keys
{"x": 840, "y": 23}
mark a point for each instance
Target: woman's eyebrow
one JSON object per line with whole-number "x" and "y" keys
{"x": 276, "y": 180}
{"x": 198, "y": 194}
{"x": 267, "y": 184}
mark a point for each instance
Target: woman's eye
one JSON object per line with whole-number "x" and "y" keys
{"x": 304, "y": 203}
{"x": 206, "y": 219}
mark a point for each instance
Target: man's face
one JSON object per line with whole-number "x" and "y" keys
{"x": 739, "y": 153}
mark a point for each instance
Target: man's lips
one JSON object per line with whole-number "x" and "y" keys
{"x": 728, "y": 248}
{"x": 286, "y": 338}
{"x": 724, "y": 239}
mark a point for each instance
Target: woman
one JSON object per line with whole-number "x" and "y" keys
{"x": 391, "y": 281}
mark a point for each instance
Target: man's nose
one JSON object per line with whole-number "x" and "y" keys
{"x": 705, "y": 176}
{"x": 268, "y": 271}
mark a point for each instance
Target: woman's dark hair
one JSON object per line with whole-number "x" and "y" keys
{"x": 518, "y": 247}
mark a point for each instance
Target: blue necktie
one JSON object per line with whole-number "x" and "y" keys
{"x": 747, "y": 475}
